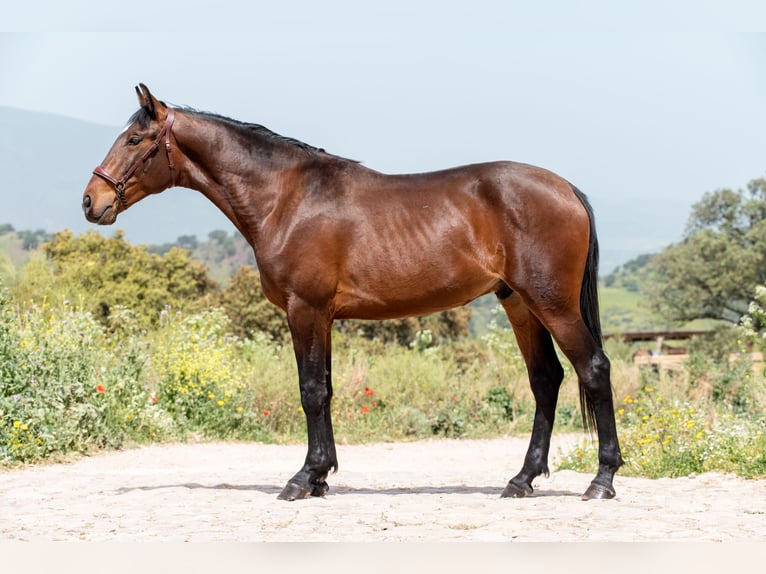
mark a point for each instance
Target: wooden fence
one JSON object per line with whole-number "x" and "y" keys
{"x": 664, "y": 357}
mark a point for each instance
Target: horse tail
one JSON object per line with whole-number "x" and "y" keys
{"x": 589, "y": 308}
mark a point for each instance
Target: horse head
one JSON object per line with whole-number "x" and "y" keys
{"x": 133, "y": 169}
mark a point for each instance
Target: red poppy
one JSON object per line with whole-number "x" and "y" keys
{"x": 374, "y": 404}
{"x": 154, "y": 399}
{"x": 101, "y": 389}
{"x": 368, "y": 391}
{"x": 267, "y": 413}
{"x": 364, "y": 410}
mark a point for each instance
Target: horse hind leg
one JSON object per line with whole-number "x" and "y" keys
{"x": 545, "y": 376}
{"x": 593, "y": 371}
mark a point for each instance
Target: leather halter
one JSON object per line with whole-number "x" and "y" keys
{"x": 119, "y": 184}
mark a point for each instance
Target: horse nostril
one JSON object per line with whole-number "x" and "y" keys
{"x": 86, "y": 202}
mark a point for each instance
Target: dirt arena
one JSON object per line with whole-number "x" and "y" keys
{"x": 430, "y": 491}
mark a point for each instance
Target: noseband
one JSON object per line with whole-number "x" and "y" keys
{"x": 119, "y": 184}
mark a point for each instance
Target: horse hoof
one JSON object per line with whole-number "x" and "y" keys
{"x": 320, "y": 489}
{"x": 514, "y": 490}
{"x": 293, "y": 491}
{"x": 598, "y": 492}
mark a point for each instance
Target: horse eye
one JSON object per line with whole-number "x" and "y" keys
{"x": 134, "y": 140}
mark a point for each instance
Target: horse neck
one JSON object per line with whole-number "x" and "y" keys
{"x": 240, "y": 174}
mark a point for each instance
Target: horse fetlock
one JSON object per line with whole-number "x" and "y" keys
{"x": 320, "y": 489}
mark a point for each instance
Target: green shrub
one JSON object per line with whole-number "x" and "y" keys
{"x": 64, "y": 388}
{"x": 201, "y": 378}
{"x": 661, "y": 438}
{"x": 103, "y": 274}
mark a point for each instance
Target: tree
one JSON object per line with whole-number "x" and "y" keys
{"x": 446, "y": 326}
{"x": 110, "y": 272}
{"x": 187, "y": 242}
{"x": 713, "y": 272}
{"x": 630, "y": 275}
{"x": 32, "y": 239}
{"x": 248, "y": 309}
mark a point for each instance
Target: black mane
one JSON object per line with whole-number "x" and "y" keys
{"x": 256, "y": 129}
{"x": 247, "y": 130}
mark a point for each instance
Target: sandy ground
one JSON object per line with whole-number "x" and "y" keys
{"x": 431, "y": 491}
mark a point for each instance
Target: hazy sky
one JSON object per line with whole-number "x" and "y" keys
{"x": 644, "y": 109}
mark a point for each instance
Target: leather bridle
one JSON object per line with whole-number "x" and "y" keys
{"x": 119, "y": 184}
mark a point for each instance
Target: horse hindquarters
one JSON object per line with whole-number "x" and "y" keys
{"x": 556, "y": 282}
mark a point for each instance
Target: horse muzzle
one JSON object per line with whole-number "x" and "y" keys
{"x": 105, "y": 215}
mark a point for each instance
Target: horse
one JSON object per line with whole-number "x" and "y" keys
{"x": 334, "y": 239}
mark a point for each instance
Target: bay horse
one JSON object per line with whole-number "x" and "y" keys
{"x": 334, "y": 239}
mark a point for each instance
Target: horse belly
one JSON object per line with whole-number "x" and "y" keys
{"x": 408, "y": 284}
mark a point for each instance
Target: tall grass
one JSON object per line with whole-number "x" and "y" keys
{"x": 709, "y": 416}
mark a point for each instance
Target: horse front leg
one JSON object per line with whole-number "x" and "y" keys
{"x": 310, "y": 330}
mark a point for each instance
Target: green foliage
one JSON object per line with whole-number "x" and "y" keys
{"x": 662, "y": 438}
{"x": 631, "y": 275}
{"x": 221, "y": 253}
{"x": 713, "y": 272}
{"x": 249, "y": 311}
{"x": 33, "y": 239}
{"x": 200, "y": 378}
{"x": 64, "y": 386}
{"x": 500, "y": 398}
{"x": 450, "y": 325}
{"x": 753, "y": 323}
{"x": 108, "y": 273}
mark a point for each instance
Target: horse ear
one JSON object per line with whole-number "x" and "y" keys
{"x": 147, "y": 100}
